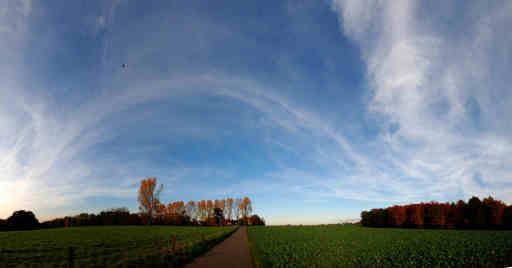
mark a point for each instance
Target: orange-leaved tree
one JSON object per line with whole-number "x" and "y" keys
{"x": 493, "y": 211}
{"x": 414, "y": 215}
{"x": 201, "y": 208}
{"x": 223, "y": 206}
{"x": 397, "y": 215}
{"x": 148, "y": 197}
{"x": 209, "y": 208}
{"x": 216, "y": 204}
{"x": 159, "y": 208}
{"x": 246, "y": 207}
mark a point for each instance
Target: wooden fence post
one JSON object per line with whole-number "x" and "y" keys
{"x": 173, "y": 244}
{"x": 71, "y": 255}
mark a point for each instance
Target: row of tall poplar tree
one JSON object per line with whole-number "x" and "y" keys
{"x": 205, "y": 212}
{"x": 153, "y": 211}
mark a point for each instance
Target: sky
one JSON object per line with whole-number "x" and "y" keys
{"x": 316, "y": 110}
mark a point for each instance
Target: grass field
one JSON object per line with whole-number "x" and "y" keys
{"x": 356, "y": 246}
{"x": 106, "y": 246}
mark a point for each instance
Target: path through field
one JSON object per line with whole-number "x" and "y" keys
{"x": 232, "y": 252}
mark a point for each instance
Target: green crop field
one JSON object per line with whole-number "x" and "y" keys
{"x": 356, "y": 246}
{"x": 107, "y": 246}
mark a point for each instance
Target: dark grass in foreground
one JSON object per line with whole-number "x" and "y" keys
{"x": 108, "y": 246}
{"x": 356, "y": 246}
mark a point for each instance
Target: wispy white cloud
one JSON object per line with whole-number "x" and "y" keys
{"x": 51, "y": 159}
{"x": 53, "y": 153}
{"x": 423, "y": 74}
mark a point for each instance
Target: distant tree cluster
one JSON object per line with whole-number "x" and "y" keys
{"x": 152, "y": 211}
{"x": 114, "y": 216}
{"x": 204, "y": 212}
{"x": 475, "y": 214}
{"x": 20, "y": 220}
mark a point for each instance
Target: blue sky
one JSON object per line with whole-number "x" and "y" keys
{"x": 316, "y": 110}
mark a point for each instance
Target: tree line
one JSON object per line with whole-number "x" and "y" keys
{"x": 229, "y": 211}
{"x": 26, "y": 220}
{"x": 203, "y": 212}
{"x": 488, "y": 213}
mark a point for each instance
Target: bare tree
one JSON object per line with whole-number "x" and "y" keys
{"x": 246, "y": 207}
{"x": 229, "y": 208}
{"x": 190, "y": 209}
{"x": 236, "y": 208}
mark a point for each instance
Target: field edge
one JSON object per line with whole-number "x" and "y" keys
{"x": 253, "y": 251}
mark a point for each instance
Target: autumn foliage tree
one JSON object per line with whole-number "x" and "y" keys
{"x": 209, "y": 208}
{"x": 488, "y": 213}
{"x": 246, "y": 207}
{"x": 216, "y": 204}
{"x": 397, "y": 215}
{"x": 223, "y": 205}
{"x": 148, "y": 198}
{"x": 201, "y": 210}
{"x": 433, "y": 215}
{"x": 176, "y": 208}
{"x": 414, "y": 215}
{"x": 449, "y": 210}
{"x": 493, "y": 211}
{"x": 154, "y": 211}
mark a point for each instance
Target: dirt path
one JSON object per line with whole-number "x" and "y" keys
{"x": 232, "y": 252}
